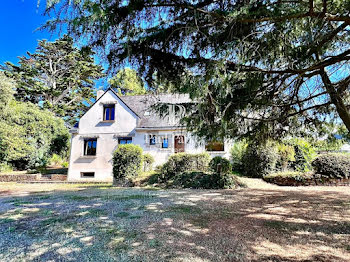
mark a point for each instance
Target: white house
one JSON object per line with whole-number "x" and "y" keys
{"x": 113, "y": 120}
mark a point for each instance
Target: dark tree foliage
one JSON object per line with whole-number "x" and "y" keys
{"x": 255, "y": 67}
{"x": 58, "y": 75}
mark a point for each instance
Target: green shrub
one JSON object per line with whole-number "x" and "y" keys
{"x": 260, "y": 160}
{"x": 205, "y": 180}
{"x": 27, "y": 134}
{"x": 332, "y": 165}
{"x": 286, "y": 155}
{"x": 237, "y": 152}
{"x": 148, "y": 161}
{"x": 304, "y": 154}
{"x": 220, "y": 165}
{"x": 127, "y": 161}
{"x": 4, "y": 167}
{"x": 65, "y": 164}
{"x": 182, "y": 162}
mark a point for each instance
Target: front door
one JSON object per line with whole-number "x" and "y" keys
{"x": 179, "y": 144}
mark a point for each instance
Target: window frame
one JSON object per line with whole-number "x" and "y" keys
{"x": 111, "y": 115}
{"x": 86, "y": 146}
{"x": 83, "y": 174}
{"x": 152, "y": 140}
{"x": 210, "y": 145}
{"x": 124, "y": 139}
{"x": 167, "y": 142}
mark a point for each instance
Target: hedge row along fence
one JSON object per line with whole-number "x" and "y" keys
{"x": 328, "y": 170}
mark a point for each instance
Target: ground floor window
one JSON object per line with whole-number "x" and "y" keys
{"x": 90, "y": 146}
{"x": 165, "y": 143}
{"x": 87, "y": 174}
{"x": 215, "y": 146}
{"x": 152, "y": 139}
{"x": 124, "y": 140}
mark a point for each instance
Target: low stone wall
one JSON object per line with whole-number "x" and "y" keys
{"x": 58, "y": 177}
{"x": 19, "y": 177}
{"x": 315, "y": 181}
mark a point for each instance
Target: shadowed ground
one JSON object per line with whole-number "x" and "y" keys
{"x": 103, "y": 223}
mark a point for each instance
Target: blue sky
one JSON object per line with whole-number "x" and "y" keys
{"x": 18, "y": 21}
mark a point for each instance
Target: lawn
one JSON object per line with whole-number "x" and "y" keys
{"x": 63, "y": 222}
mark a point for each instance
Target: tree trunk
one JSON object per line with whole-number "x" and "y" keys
{"x": 336, "y": 99}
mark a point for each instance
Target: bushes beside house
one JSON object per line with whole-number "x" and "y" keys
{"x": 148, "y": 161}
{"x": 194, "y": 171}
{"x": 127, "y": 161}
{"x": 259, "y": 160}
{"x": 183, "y": 162}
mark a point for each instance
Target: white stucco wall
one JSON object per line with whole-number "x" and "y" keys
{"x": 91, "y": 125}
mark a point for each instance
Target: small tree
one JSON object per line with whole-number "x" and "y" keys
{"x": 127, "y": 161}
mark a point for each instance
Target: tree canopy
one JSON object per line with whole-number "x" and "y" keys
{"x": 128, "y": 82}
{"x": 28, "y": 134}
{"x": 253, "y": 66}
{"x": 58, "y": 76}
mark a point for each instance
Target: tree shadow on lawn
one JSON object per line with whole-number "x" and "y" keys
{"x": 177, "y": 225}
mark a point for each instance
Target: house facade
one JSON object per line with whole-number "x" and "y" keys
{"x": 113, "y": 120}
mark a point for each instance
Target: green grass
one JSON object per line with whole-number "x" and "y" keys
{"x": 184, "y": 209}
{"x": 122, "y": 214}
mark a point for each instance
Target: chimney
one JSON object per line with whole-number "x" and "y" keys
{"x": 99, "y": 93}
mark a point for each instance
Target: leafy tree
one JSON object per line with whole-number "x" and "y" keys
{"x": 6, "y": 90}
{"x": 254, "y": 66}
{"x": 128, "y": 82}
{"x": 58, "y": 75}
{"x": 28, "y": 134}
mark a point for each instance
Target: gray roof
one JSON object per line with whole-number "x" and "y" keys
{"x": 143, "y": 106}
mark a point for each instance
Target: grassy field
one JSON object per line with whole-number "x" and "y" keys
{"x": 63, "y": 222}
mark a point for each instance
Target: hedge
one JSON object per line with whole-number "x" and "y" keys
{"x": 332, "y": 165}
{"x": 260, "y": 160}
{"x": 183, "y": 162}
{"x": 127, "y": 161}
{"x": 204, "y": 180}
{"x": 220, "y": 165}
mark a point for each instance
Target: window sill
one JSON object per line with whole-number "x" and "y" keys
{"x": 107, "y": 121}
{"x": 88, "y": 156}
{"x": 216, "y": 152}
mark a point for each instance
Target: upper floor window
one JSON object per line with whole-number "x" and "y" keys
{"x": 90, "y": 146}
{"x": 152, "y": 139}
{"x": 108, "y": 112}
{"x": 215, "y": 146}
{"x": 165, "y": 143}
{"x": 124, "y": 140}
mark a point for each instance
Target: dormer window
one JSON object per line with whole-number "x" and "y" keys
{"x": 108, "y": 112}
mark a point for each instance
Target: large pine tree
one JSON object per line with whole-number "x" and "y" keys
{"x": 252, "y": 65}
{"x": 57, "y": 76}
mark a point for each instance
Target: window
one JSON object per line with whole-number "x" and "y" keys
{"x": 165, "y": 143}
{"x": 152, "y": 139}
{"x": 90, "y": 145}
{"x": 215, "y": 146}
{"x": 87, "y": 174}
{"x": 124, "y": 140}
{"x": 108, "y": 112}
